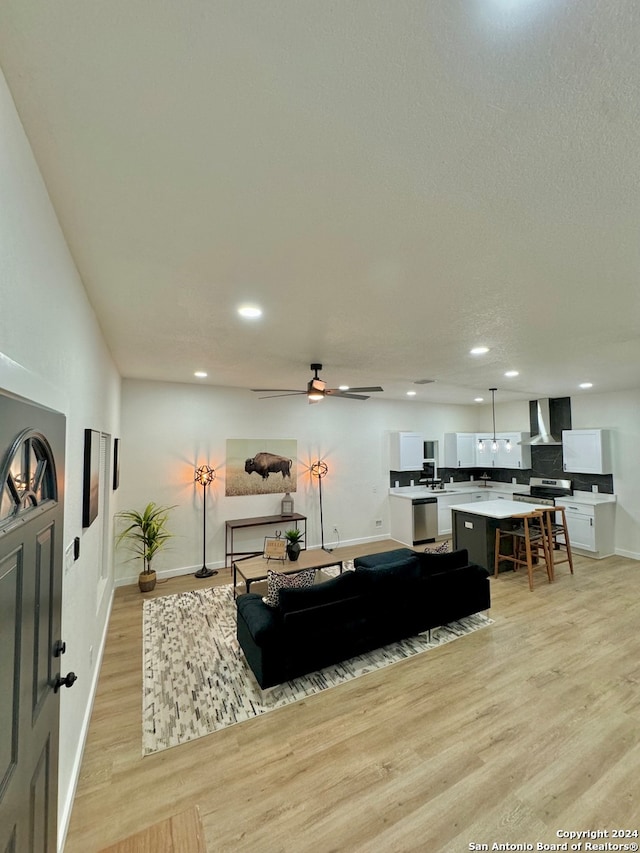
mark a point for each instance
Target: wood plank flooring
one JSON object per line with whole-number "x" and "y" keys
{"x": 507, "y": 735}
{"x": 181, "y": 833}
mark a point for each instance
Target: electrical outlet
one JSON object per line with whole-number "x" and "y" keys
{"x": 378, "y": 522}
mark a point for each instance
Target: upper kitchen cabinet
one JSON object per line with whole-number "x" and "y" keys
{"x": 407, "y": 451}
{"x": 519, "y": 456}
{"x": 586, "y": 451}
{"x": 460, "y": 450}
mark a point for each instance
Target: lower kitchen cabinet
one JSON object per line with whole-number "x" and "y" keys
{"x": 591, "y": 527}
{"x": 445, "y": 526}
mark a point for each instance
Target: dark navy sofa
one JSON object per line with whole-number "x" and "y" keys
{"x": 388, "y": 597}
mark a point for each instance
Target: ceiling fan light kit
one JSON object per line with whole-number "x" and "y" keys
{"x": 317, "y": 390}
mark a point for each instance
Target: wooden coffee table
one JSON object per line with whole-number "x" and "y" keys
{"x": 256, "y": 568}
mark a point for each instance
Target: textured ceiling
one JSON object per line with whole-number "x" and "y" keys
{"x": 393, "y": 182}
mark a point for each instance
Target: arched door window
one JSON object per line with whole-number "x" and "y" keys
{"x": 27, "y": 476}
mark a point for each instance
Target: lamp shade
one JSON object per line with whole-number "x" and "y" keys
{"x": 319, "y": 469}
{"x": 204, "y": 475}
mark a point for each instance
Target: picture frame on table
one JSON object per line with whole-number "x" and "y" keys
{"x": 275, "y": 548}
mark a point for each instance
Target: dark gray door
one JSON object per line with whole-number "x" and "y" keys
{"x": 31, "y": 555}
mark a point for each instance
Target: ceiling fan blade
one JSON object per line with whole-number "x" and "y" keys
{"x": 366, "y": 390}
{"x": 283, "y": 390}
{"x": 336, "y": 392}
{"x": 290, "y": 394}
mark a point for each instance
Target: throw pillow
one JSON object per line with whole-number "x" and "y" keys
{"x": 277, "y": 581}
{"x": 442, "y": 548}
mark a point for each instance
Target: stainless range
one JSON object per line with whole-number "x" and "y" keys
{"x": 545, "y": 491}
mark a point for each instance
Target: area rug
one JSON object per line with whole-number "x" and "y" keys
{"x": 196, "y": 680}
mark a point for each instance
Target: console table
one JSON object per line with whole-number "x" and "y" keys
{"x": 234, "y": 524}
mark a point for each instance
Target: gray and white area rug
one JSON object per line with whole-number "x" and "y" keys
{"x": 196, "y": 680}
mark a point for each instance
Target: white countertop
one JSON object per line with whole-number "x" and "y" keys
{"x": 462, "y": 489}
{"x": 465, "y": 488}
{"x": 496, "y": 509}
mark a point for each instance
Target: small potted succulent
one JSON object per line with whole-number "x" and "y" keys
{"x": 293, "y": 538}
{"x": 146, "y": 534}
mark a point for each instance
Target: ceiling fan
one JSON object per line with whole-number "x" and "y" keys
{"x": 317, "y": 390}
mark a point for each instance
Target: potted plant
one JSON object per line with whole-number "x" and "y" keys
{"x": 293, "y": 538}
{"x": 146, "y": 535}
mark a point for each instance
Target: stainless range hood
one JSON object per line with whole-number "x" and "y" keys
{"x": 547, "y": 421}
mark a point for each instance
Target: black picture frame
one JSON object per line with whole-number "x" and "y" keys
{"x": 116, "y": 463}
{"x": 91, "y": 477}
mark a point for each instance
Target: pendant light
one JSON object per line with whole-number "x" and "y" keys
{"x": 494, "y": 440}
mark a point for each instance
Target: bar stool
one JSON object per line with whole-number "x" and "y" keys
{"x": 532, "y": 535}
{"x": 554, "y": 530}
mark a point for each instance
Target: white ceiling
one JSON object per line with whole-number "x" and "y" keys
{"x": 393, "y": 182}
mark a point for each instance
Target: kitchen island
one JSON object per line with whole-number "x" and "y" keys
{"x": 475, "y": 524}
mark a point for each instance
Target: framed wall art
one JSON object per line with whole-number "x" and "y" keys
{"x": 260, "y": 466}
{"x": 91, "y": 477}
{"x": 116, "y": 463}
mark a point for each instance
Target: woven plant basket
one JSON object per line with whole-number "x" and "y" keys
{"x": 147, "y": 581}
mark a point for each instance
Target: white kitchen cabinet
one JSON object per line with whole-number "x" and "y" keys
{"x": 518, "y": 457}
{"x": 591, "y": 528}
{"x": 460, "y": 450}
{"x": 406, "y": 451}
{"x": 586, "y": 451}
{"x": 444, "y": 513}
{"x": 446, "y": 501}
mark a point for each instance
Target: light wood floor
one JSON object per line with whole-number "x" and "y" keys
{"x": 507, "y": 735}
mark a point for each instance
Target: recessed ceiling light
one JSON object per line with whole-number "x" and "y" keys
{"x": 479, "y": 350}
{"x": 250, "y": 312}
{"x": 478, "y": 400}
{"x": 586, "y": 384}
{"x": 512, "y": 373}
{"x": 200, "y": 374}
{"x": 343, "y": 387}
{"x": 411, "y": 393}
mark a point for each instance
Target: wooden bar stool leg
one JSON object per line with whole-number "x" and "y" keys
{"x": 546, "y": 524}
{"x": 566, "y": 539}
{"x": 496, "y": 559}
{"x": 527, "y": 543}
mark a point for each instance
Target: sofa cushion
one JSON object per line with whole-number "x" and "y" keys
{"x": 343, "y": 586}
{"x": 385, "y": 557}
{"x": 277, "y": 581}
{"x": 260, "y": 620}
{"x": 432, "y": 564}
{"x": 392, "y": 575}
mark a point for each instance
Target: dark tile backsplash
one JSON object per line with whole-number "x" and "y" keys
{"x": 546, "y": 461}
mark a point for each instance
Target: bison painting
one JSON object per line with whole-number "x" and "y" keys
{"x": 268, "y": 463}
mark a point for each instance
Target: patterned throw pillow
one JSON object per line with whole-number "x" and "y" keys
{"x": 277, "y": 581}
{"x": 442, "y": 548}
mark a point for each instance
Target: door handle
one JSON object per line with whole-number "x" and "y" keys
{"x": 67, "y": 681}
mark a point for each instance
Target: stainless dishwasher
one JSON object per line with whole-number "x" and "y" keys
{"x": 425, "y": 519}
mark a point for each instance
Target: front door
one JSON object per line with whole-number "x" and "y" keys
{"x": 31, "y": 554}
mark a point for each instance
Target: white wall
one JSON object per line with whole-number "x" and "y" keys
{"x": 619, "y": 413}
{"x": 169, "y": 429}
{"x": 52, "y": 352}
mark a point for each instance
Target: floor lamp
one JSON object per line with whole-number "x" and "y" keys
{"x": 320, "y": 470}
{"x": 205, "y": 476}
